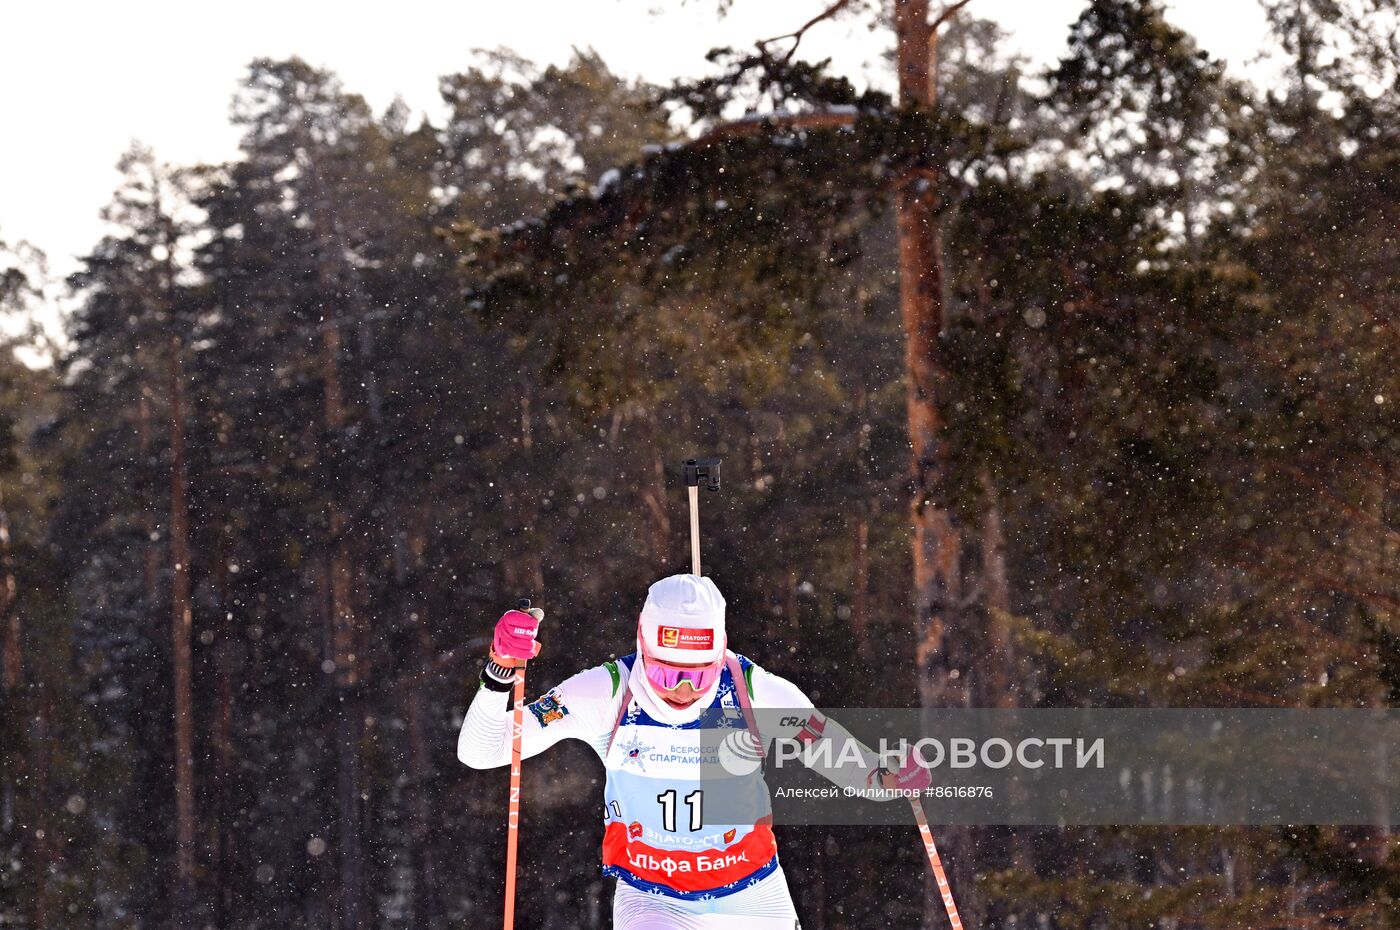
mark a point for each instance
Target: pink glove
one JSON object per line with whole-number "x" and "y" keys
{"x": 514, "y": 639}
{"x": 912, "y": 776}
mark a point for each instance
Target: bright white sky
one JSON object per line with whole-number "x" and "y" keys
{"x": 81, "y": 80}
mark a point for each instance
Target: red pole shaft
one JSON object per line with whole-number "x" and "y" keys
{"x": 944, "y": 889}
{"x": 513, "y": 818}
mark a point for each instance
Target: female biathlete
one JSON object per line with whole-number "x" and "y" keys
{"x": 649, "y": 717}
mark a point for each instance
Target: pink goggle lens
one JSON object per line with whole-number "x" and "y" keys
{"x": 667, "y": 678}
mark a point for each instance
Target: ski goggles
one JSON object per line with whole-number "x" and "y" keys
{"x": 669, "y": 678}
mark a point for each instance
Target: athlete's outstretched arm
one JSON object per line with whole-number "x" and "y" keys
{"x": 566, "y": 711}
{"x": 814, "y": 729}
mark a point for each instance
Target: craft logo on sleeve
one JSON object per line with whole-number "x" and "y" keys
{"x": 674, "y": 637}
{"x": 549, "y": 709}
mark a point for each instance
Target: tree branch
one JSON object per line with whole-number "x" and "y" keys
{"x": 752, "y": 126}
{"x": 948, "y": 13}
{"x": 1317, "y": 483}
{"x": 1314, "y": 577}
{"x": 796, "y": 37}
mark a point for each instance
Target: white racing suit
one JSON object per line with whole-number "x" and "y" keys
{"x": 676, "y": 869}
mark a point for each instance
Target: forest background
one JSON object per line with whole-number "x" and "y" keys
{"x": 1074, "y": 388}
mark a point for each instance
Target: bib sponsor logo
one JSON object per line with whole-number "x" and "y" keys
{"x": 675, "y": 637}
{"x": 670, "y": 865}
{"x": 690, "y": 869}
{"x": 683, "y": 842}
{"x": 634, "y": 830}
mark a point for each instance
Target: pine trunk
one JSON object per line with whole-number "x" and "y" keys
{"x": 342, "y": 649}
{"x": 13, "y": 662}
{"x": 38, "y": 766}
{"x": 860, "y": 582}
{"x": 937, "y": 543}
{"x": 937, "y": 538}
{"x": 997, "y": 683}
{"x": 150, "y": 522}
{"x": 223, "y": 750}
{"x": 223, "y": 745}
{"x": 408, "y": 546}
{"x": 181, "y": 620}
{"x": 15, "y": 757}
{"x": 424, "y": 904}
{"x": 654, "y": 496}
{"x": 860, "y": 531}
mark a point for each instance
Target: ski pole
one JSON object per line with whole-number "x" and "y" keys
{"x": 939, "y": 876}
{"x": 513, "y": 817}
{"x": 695, "y": 469}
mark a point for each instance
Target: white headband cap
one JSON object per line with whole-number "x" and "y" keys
{"x": 683, "y": 620}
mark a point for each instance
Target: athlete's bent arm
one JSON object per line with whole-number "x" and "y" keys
{"x": 814, "y": 728}
{"x": 575, "y": 709}
{"x": 774, "y": 692}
